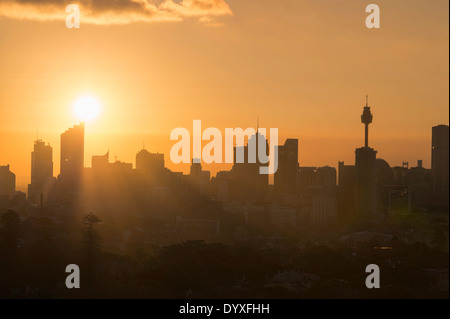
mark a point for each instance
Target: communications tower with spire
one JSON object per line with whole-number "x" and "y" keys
{"x": 366, "y": 119}
{"x": 365, "y": 165}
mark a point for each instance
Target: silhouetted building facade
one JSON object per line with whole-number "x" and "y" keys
{"x": 198, "y": 179}
{"x": 100, "y": 163}
{"x": 440, "y": 163}
{"x": 307, "y": 178}
{"x": 109, "y": 184}
{"x": 316, "y": 177}
{"x": 365, "y": 169}
{"x": 419, "y": 182}
{"x": 149, "y": 162}
{"x": 326, "y": 177}
{"x": 151, "y": 167}
{"x": 357, "y": 187}
{"x": 72, "y": 153}
{"x": 7, "y": 182}
{"x": 41, "y": 172}
{"x": 317, "y": 192}
{"x": 68, "y": 186}
{"x": 246, "y": 182}
{"x": 285, "y": 178}
{"x": 346, "y": 190}
{"x": 243, "y": 182}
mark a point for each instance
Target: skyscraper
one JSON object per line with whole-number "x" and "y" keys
{"x": 326, "y": 177}
{"x": 149, "y": 162}
{"x": 7, "y": 181}
{"x": 198, "y": 178}
{"x": 100, "y": 162}
{"x": 346, "y": 191}
{"x": 285, "y": 178}
{"x": 440, "y": 162}
{"x": 316, "y": 177}
{"x": 72, "y": 152}
{"x": 41, "y": 171}
{"x": 248, "y": 183}
{"x": 365, "y": 169}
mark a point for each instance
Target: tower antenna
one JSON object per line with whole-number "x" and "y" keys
{"x": 366, "y": 119}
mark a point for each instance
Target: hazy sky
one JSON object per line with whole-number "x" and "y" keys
{"x": 301, "y": 66}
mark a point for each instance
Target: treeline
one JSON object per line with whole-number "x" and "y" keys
{"x": 34, "y": 253}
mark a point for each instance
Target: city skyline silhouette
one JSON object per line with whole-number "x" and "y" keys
{"x": 227, "y": 76}
{"x": 100, "y": 101}
{"x": 153, "y": 166}
{"x": 24, "y": 177}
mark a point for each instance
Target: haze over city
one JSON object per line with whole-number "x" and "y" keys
{"x": 301, "y": 66}
{"x": 346, "y": 102}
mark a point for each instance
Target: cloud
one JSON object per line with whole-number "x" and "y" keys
{"x": 104, "y": 12}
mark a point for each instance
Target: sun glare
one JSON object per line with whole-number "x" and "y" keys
{"x": 86, "y": 108}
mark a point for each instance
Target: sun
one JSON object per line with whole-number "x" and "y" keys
{"x": 86, "y": 108}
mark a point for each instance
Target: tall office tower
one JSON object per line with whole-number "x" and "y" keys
{"x": 346, "y": 191}
{"x": 248, "y": 183}
{"x": 72, "y": 153}
{"x": 307, "y": 179}
{"x": 196, "y": 169}
{"x": 149, "y": 162}
{"x": 316, "y": 177}
{"x": 365, "y": 169}
{"x": 7, "y": 181}
{"x": 326, "y": 177}
{"x": 286, "y": 177}
{"x": 100, "y": 163}
{"x": 198, "y": 178}
{"x": 439, "y": 163}
{"x": 41, "y": 171}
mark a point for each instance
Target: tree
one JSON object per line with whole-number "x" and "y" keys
{"x": 91, "y": 244}
{"x": 9, "y": 231}
{"x": 90, "y": 220}
{"x": 9, "y": 258}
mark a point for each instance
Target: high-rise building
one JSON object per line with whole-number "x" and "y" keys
{"x": 198, "y": 178}
{"x": 72, "y": 152}
{"x": 307, "y": 179}
{"x": 196, "y": 169}
{"x": 365, "y": 169}
{"x": 285, "y": 178}
{"x": 316, "y": 177}
{"x": 149, "y": 162}
{"x": 7, "y": 181}
{"x": 246, "y": 181}
{"x": 440, "y": 163}
{"x": 326, "y": 176}
{"x": 41, "y": 171}
{"x": 103, "y": 168}
{"x": 346, "y": 190}
{"x": 100, "y": 162}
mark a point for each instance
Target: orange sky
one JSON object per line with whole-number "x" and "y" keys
{"x": 301, "y": 66}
